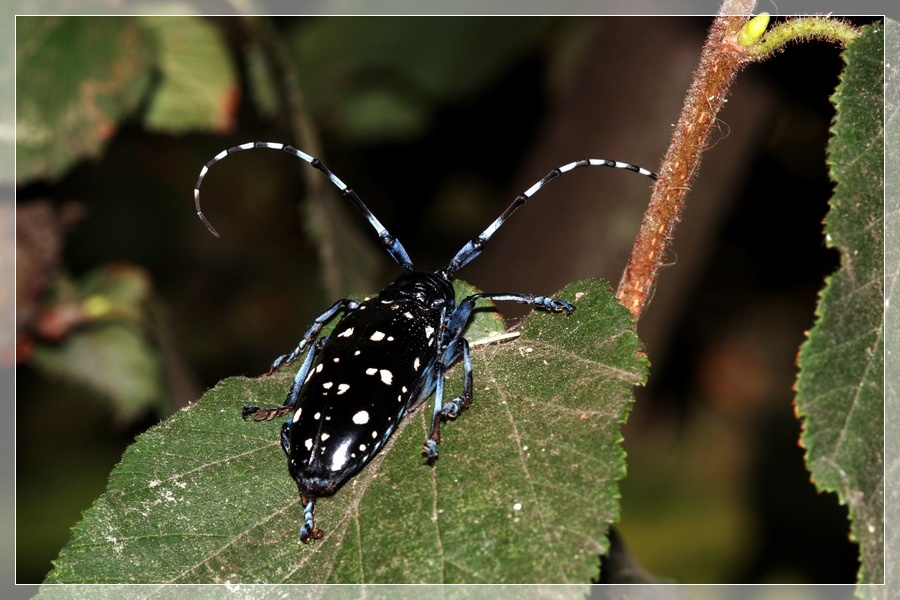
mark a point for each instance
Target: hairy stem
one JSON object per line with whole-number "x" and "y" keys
{"x": 728, "y": 48}
{"x": 721, "y": 59}
{"x": 802, "y": 29}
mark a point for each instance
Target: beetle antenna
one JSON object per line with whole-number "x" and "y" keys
{"x": 474, "y": 247}
{"x": 391, "y": 244}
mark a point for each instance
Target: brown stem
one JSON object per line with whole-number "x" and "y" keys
{"x": 720, "y": 61}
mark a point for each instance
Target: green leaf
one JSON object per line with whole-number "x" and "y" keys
{"x": 199, "y": 90}
{"x": 840, "y": 388}
{"x": 77, "y": 78}
{"x": 524, "y": 490}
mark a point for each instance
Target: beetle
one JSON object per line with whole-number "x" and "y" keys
{"x": 385, "y": 356}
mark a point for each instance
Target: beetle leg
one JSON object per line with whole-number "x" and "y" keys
{"x": 345, "y": 304}
{"x": 460, "y": 403}
{"x": 551, "y": 304}
{"x": 260, "y": 413}
{"x": 290, "y": 403}
{"x": 309, "y": 531}
{"x": 429, "y": 449}
{"x": 452, "y": 344}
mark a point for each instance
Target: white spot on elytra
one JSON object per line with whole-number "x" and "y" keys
{"x": 377, "y": 336}
{"x": 408, "y": 315}
{"x": 337, "y": 359}
{"x": 327, "y": 385}
{"x": 361, "y": 418}
{"x": 346, "y": 333}
{"x": 317, "y": 416}
{"x": 319, "y": 368}
{"x": 374, "y": 434}
{"x": 386, "y": 377}
{"x": 339, "y": 458}
{"x": 429, "y": 331}
{"x": 371, "y": 371}
{"x": 416, "y": 364}
{"x": 357, "y": 353}
{"x": 362, "y": 447}
{"x": 308, "y": 444}
{"x": 296, "y": 416}
{"x": 343, "y": 387}
{"x": 325, "y": 436}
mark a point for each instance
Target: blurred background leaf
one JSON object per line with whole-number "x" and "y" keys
{"x": 198, "y": 90}
{"x": 105, "y": 319}
{"x": 84, "y": 76}
{"x": 390, "y": 75}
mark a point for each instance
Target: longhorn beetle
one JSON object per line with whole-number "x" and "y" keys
{"x": 385, "y": 356}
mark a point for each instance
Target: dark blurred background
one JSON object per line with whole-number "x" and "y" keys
{"x": 128, "y": 309}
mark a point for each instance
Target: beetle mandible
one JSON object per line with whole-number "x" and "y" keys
{"x": 385, "y": 356}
